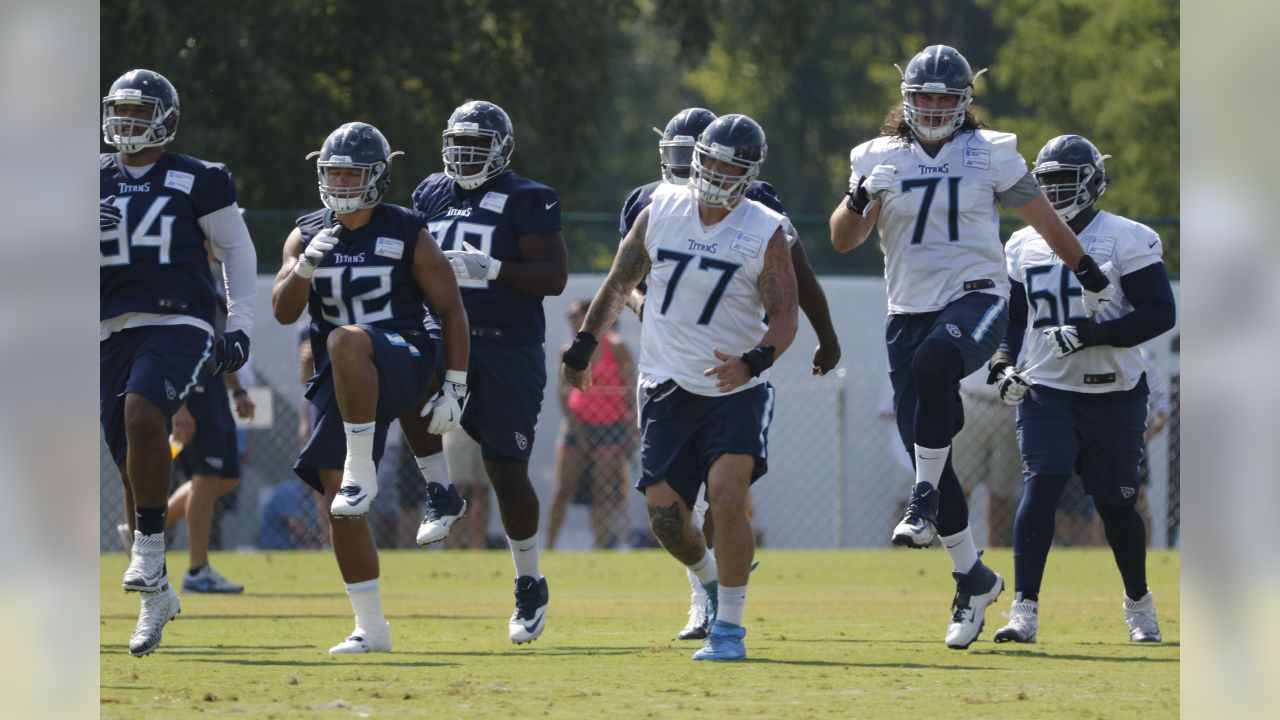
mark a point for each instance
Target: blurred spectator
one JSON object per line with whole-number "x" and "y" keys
{"x": 596, "y": 440}
{"x": 986, "y": 451}
{"x": 466, "y": 469}
{"x": 292, "y": 518}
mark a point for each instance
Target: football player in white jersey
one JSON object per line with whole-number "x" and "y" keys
{"x": 718, "y": 264}
{"x": 1081, "y": 389}
{"x": 931, "y": 182}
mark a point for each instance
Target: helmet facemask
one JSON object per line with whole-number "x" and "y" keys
{"x": 676, "y": 156}
{"x": 1070, "y": 188}
{"x": 132, "y": 134}
{"x": 718, "y": 189}
{"x": 473, "y": 164}
{"x": 934, "y": 124}
{"x": 366, "y": 192}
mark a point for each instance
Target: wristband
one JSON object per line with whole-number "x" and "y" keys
{"x": 1092, "y": 334}
{"x": 457, "y": 377}
{"x": 239, "y": 392}
{"x": 578, "y": 356}
{"x": 303, "y": 269}
{"x": 998, "y": 362}
{"x": 758, "y": 359}
{"x": 1090, "y": 275}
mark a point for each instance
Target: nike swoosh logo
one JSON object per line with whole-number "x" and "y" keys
{"x": 361, "y": 430}
{"x": 550, "y": 204}
{"x": 357, "y": 501}
{"x": 536, "y": 624}
{"x": 1153, "y": 244}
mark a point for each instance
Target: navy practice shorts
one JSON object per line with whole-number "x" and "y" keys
{"x": 215, "y": 449}
{"x": 406, "y": 363}
{"x": 1061, "y": 432}
{"x": 158, "y": 362}
{"x": 974, "y": 323}
{"x": 683, "y": 434}
{"x": 505, "y": 384}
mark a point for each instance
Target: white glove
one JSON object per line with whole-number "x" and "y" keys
{"x": 881, "y": 180}
{"x": 1063, "y": 340}
{"x": 315, "y": 253}
{"x": 446, "y": 407}
{"x": 1012, "y": 386}
{"x": 471, "y": 264}
{"x": 1095, "y": 303}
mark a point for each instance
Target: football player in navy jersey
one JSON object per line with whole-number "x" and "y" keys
{"x": 370, "y": 277}
{"x": 157, "y": 301}
{"x": 501, "y": 232}
{"x": 675, "y": 153}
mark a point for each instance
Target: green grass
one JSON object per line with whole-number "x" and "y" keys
{"x": 849, "y": 634}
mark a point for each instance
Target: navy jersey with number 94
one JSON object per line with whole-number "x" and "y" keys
{"x": 492, "y": 218}
{"x": 155, "y": 260}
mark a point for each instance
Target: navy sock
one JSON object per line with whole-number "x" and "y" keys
{"x": 953, "y": 508}
{"x": 1033, "y": 531}
{"x": 150, "y": 520}
{"x": 1127, "y": 536}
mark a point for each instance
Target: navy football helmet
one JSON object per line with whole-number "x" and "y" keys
{"x": 478, "y": 143}
{"x": 148, "y": 89}
{"x": 1071, "y": 173}
{"x": 675, "y": 149}
{"x": 733, "y": 139}
{"x": 359, "y": 146}
{"x": 937, "y": 69}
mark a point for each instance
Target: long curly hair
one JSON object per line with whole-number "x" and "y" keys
{"x": 895, "y": 123}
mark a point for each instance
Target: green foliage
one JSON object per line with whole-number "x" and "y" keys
{"x": 843, "y": 634}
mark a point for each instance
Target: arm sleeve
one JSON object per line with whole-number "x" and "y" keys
{"x": 1017, "y": 332}
{"x": 1020, "y": 193}
{"x": 1153, "y": 313}
{"x": 229, "y": 238}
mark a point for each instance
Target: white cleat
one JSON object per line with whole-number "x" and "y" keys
{"x": 444, "y": 507}
{"x": 353, "y": 498}
{"x": 530, "y": 617}
{"x": 158, "y": 608}
{"x": 975, "y": 591}
{"x": 361, "y": 642}
{"x": 146, "y": 571}
{"x": 1140, "y": 616}
{"x": 1024, "y": 623}
{"x": 699, "y": 622}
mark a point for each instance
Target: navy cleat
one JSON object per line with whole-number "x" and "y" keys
{"x": 723, "y": 643}
{"x": 975, "y": 590}
{"x": 529, "y": 619}
{"x": 444, "y": 508}
{"x": 919, "y": 524}
{"x": 207, "y": 580}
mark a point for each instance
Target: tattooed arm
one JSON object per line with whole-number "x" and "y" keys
{"x": 629, "y": 268}
{"x": 777, "y": 285}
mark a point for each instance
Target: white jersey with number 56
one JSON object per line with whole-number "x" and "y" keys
{"x": 939, "y": 227}
{"x": 702, "y": 290}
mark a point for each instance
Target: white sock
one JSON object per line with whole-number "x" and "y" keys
{"x": 359, "y": 463}
{"x": 366, "y": 601}
{"x": 731, "y": 601}
{"x": 699, "y": 592}
{"x": 705, "y": 569}
{"x": 434, "y": 470}
{"x": 525, "y": 554}
{"x": 961, "y": 548}
{"x": 929, "y": 464}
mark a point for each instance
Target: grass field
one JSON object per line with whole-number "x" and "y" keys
{"x": 849, "y": 634}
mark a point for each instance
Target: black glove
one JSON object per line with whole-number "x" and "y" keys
{"x": 858, "y": 198}
{"x": 998, "y": 362}
{"x": 230, "y": 352}
{"x": 109, "y": 216}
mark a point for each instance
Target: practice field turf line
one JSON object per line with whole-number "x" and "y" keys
{"x": 847, "y": 634}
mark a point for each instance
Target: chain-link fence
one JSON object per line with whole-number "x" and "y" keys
{"x": 838, "y": 476}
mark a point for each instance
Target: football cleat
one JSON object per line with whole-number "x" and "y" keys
{"x": 699, "y": 619}
{"x": 444, "y": 508}
{"x": 146, "y": 571}
{"x": 529, "y": 619}
{"x": 353, "y": 498}
{"x": 158, "y": 608}
{"x": 919, "y": 523}
{"x": 724, "y": 642}
{"x": 975, "y": 590}
{"x": 1140, "y": 616}
{"x": 207, "y": 580}
{"x": 1024, "y": 622}
{"x": 361, "y": 642}
{"x": 126, "y": 536}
